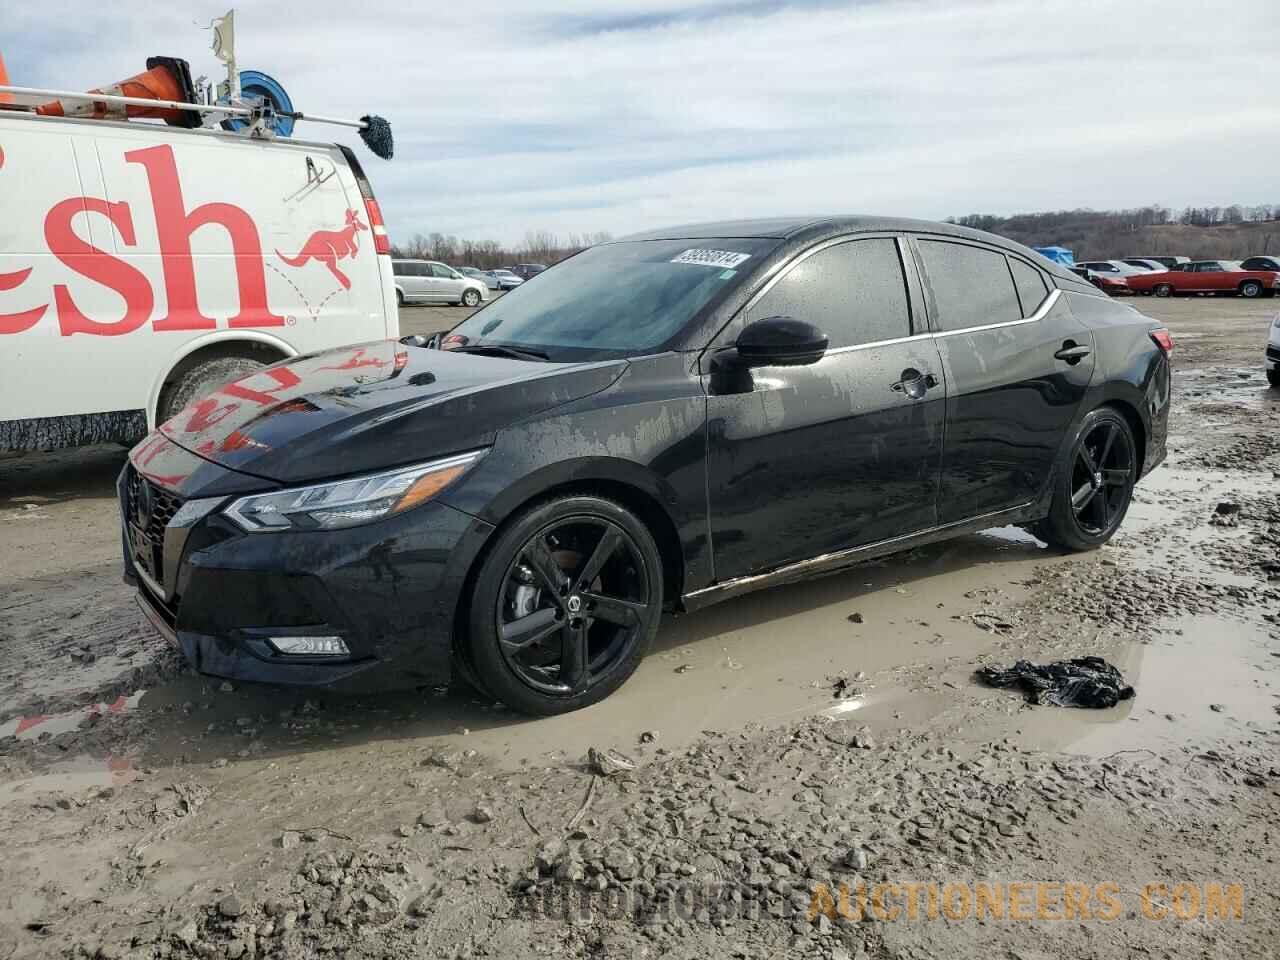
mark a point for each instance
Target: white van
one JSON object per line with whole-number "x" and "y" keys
{"x": 142, "y": 266}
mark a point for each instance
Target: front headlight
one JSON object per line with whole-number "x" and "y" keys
{"x": 345, "y": 503}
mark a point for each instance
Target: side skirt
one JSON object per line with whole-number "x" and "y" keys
{"x": 830, "y": 563}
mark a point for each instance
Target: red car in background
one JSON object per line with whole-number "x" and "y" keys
{"x": 1207, "y": 276}
{"x": 1113, "y": 286}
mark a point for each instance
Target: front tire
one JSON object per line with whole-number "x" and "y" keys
{"x": 471, "y": 298}
{"x": 1251, "y": 289}
{"x": 1273, "y": 377}
{"x": 565, "y": 605}
{"x": 1093, "y": 483}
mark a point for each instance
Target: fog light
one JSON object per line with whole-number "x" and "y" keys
{"x": 310, "y": 646}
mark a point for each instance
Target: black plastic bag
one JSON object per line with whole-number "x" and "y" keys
{"x": 1085, "y": 682}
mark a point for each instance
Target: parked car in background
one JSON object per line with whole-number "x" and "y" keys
{"x": 506, "y": 279}
{"x": 1169, "y": 262}
{"x": 484, "y": 276}
{"x": 1208, "y": 276}
{"x": 1112, "y": 285}
{"x": 1114, "y": 268}
{"x": 429, "y": 281}
{"x": 520, "y": 506}
{"x": 526, "y": 270}
{"x": 1260, "y": 263}
{"x": 1273, "y": 354}
{"x": 1144, "y": 264}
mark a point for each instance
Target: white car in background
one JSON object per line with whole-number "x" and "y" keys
{"x": 429, "y": 281}
{"x": 1273, "y": 354}
{"x": 1116, "y": 268}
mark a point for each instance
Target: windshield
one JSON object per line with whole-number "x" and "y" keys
{"x": 614, "y": 300}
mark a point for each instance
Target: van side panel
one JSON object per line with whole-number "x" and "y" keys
{"x": 157, "y": 238}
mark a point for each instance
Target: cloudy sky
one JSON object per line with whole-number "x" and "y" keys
{"x": 628, "y": 114}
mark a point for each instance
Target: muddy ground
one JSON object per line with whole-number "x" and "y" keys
{"x": 784, "y": 744}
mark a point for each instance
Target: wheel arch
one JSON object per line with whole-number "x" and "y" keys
{"x": 624, "y": 482}
{"x": 222, "y": 343}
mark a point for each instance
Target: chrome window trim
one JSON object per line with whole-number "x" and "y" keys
{"x": 1041, "y": 312}
{"x": 877, "y": 343}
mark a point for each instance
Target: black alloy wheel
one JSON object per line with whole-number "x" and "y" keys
{"x": 1101, "y": 478}
{"x": 1094, "y": 483}
{"x": 565, "y": 605}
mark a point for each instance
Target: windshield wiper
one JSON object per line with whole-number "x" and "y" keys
{"x": 502, "y": 350}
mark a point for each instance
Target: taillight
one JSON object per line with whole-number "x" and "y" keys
{"x": 381, "y": 242}
{"x": 1163, "y": 340}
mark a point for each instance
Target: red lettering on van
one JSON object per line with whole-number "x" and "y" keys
{"x": 174, "y": 226}
{"x": 25, "y": 319}
{"x": 97, "y": 265}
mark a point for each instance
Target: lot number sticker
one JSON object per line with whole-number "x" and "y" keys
{"x": 712, "y": 258}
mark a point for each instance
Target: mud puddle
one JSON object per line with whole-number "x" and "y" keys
{"x": 1206, "y": 678}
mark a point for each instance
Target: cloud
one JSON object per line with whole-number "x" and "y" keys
{"x": 626, "y": 115}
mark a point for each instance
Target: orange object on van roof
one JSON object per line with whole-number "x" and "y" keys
{"x": 4, "y": 82}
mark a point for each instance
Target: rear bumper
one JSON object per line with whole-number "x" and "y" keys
{"x": 389, "y": 589}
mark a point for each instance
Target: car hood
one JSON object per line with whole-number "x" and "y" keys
{"x": 372, "y": 406}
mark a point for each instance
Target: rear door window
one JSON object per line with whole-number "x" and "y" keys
{"x": 853, "y": 292}
{"x": 1030, "y": 284}
{"x": 971, "y": 286}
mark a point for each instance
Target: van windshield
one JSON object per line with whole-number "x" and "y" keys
{"x": 614, "y": 300}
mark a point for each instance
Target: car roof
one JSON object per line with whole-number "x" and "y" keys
{"x": 817, "y": 228}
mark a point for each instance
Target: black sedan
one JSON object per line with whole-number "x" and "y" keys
{"x": 657, "y": 423}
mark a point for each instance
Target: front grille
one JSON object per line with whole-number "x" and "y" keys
{"x": 149, "y": 510}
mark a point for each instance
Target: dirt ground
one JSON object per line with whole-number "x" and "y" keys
{"x": 784, "y": 744}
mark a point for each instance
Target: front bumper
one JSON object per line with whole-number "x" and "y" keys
{"x": 389, "y": 589}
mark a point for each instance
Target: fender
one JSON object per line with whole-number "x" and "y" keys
{"x": 209, "y": 339}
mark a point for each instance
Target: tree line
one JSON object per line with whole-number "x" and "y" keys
{"x": 539, "y": 246}
{"x": 1234, "y": 231}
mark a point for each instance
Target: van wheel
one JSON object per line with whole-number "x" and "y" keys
{"x": 399, "y": 299}
{"x": 1093, "y": 483}
{"x": 1251, "y": 289}
{"x": 1273, "y": 377}
{"x": 200, "y": 381}
{"x": 470, "y": 298}
{"x": 1163, "y": 290}
{"x": 565, "y": 605}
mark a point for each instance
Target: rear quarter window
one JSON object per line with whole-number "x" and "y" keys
{"x": 971, "y": 285}
{"x": 1030, "y": 285}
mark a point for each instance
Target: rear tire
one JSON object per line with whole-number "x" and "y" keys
{"x": 538, "y": 634}
{"x": 1251, "y": 289}
{"x": 399, "y": 299}
{"x": 1163, "y": 290}
{"x": 1093, "y": 483}
{"x": 200, "y": 381}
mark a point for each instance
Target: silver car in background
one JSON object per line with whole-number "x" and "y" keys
{"x": 429, "y": 281}
{"x": 484, "y": 276}
{"x": 506, "y": 279}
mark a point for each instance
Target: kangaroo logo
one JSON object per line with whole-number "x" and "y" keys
{"x": 330, "y": 246}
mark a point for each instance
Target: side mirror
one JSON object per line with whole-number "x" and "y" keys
{"x": 780, "y": 342}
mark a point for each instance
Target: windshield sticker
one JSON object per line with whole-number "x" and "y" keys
{"x": 712, "y": 258}
{"x": 728, "y": 274}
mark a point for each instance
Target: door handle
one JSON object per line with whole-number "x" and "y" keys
{"x": 1072, "y": 352}
{"x": 914, "y": 383}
